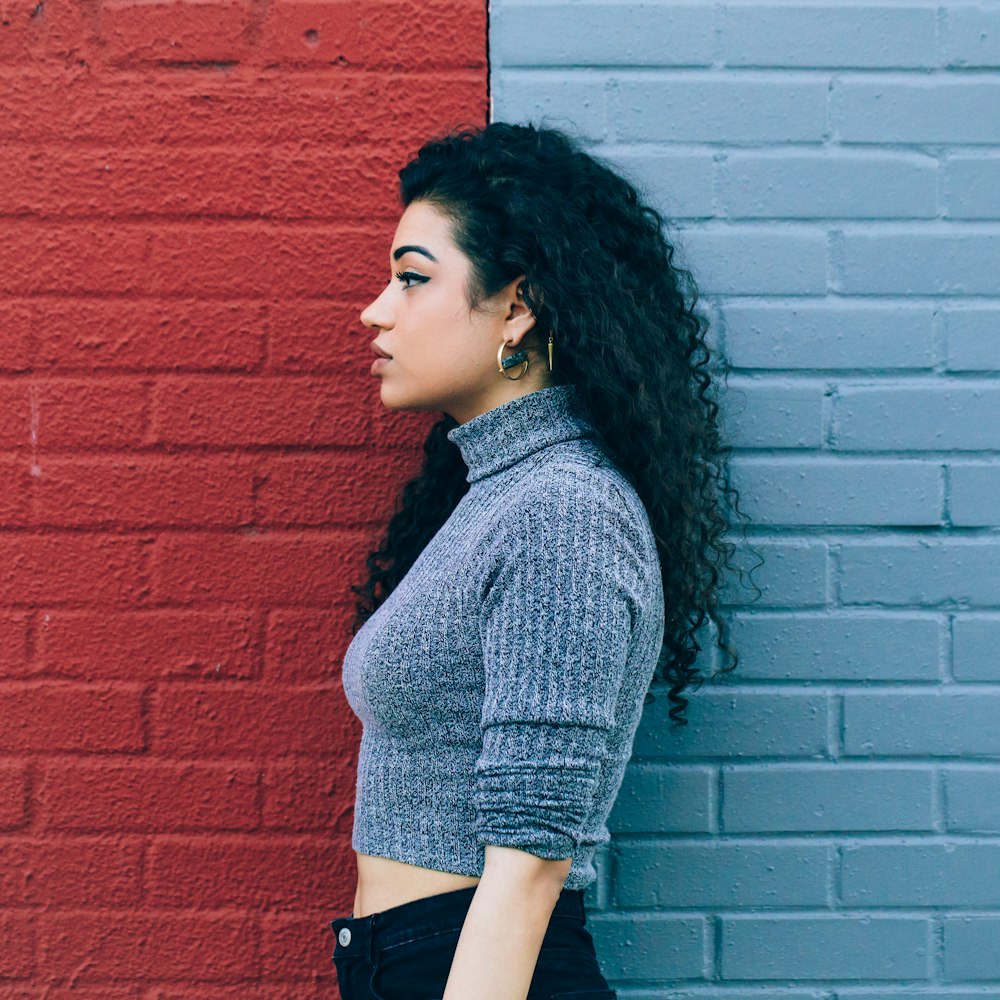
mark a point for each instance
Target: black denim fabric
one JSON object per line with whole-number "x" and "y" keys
{"x": 405, "y": 952}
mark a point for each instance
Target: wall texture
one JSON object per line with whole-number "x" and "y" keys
{"x": 829, "y": 825}
{"x": 196, "y": 199}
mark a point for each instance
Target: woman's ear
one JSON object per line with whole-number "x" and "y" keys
{"x": 519, "y": 318}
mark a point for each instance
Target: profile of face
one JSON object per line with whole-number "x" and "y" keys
{"x": 442, "y": 354}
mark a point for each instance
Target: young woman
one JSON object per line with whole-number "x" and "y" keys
{"x": 560, "y": 548}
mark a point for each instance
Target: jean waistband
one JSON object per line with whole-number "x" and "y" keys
{"x": 429, "y": 915}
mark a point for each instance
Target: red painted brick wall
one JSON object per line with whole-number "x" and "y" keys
{"x": 196, "y": 200}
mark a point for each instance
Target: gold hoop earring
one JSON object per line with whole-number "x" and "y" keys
{"x": 515, "y": 359}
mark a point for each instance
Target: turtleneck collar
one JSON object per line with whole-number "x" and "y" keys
{"x": 509, "y": 432}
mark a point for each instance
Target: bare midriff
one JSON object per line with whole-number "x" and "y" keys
{"x": 384, "y": 883}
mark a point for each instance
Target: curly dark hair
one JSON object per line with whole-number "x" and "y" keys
{"x": 600, "y": 276}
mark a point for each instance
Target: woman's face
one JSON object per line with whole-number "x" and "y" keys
{"x": 442, "y": 355}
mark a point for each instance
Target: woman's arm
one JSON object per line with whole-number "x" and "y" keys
{"x": 503, "y": 930}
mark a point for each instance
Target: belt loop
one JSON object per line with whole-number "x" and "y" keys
{"x": 371, "y": 940}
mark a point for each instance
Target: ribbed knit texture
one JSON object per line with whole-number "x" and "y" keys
{"x": 500, "y": 684}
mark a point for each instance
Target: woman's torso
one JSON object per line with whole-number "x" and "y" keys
{"x": 383, "y": 883}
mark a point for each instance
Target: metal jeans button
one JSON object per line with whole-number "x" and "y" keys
{"x": 344, "y": 937}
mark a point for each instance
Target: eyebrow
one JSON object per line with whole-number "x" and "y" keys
{"x": 399, "y": 251}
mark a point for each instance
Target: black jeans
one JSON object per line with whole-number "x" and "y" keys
{"x": 405, "y": 952}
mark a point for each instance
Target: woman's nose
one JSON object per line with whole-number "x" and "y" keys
{"x": 377, "y": 314}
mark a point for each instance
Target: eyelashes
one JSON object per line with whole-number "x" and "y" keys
{"x": 408, "y": 278}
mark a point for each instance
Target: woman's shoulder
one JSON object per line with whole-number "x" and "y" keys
{"x": 580, "y": 486}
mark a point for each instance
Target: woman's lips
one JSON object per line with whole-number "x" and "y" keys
{"x": 381, "y": 361}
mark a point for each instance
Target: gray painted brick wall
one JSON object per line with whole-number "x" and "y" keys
{"x": 828, "y": 825}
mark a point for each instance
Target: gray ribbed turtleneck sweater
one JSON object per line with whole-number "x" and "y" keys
{"x": 500, "y": 684}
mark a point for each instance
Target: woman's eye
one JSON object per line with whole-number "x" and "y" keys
{"x": 409, "y": 278}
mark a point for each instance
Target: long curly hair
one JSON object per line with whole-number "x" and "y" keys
{"x": 600, "y": 276}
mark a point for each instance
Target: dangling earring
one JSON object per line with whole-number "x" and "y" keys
{"x": 550, "y": 350}
{"x": 515, "y": 359}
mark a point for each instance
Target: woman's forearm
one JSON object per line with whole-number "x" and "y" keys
{"x": 502, "y": 935}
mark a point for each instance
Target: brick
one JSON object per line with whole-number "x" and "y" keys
{"x": 242, "y": 871}
{"x": 773, "y": 415}
{"x": 206, "y": 31}
{"x": 295, "y": 794}
{"x": 31, "y": 35}
{"x": 15, "y": 322}
{"x": 564, "y": 101}
{"x": 320, "y": 489}
{"x": 375, "y": 34}
{"x": 791, "y": 575}
{"x": 931, "y": 993}
{"x": 256, "y": 410}
{"x": 142, "y": 797}
{"x": 972, "y": 798}
{"x": 128, "y": 182}
{"x": 68, "y": 413}
{"x": 73, "y": 568}
{"x": 971, "y": 36}
{"x": 922, "y": 574}
{"x": 920, "y": 110}
{"x": 289, "y": 952}
{"x": 821, "y": 491}
{"x": 974, "y": 494}
{"x": 836, "y": 647}
{"x": 827, "y": 35}
{"x": 149, "y": 335}
{"x": 15, "y": 499}
{"x": 13, "y": 795}
{"x": 630, "y": 946}
{"x": 736, "y": 724}
{"x": 305, "y": 570}
{"x": 662, "y": 107}
{"x": 782, "y": 798}
{"x": 679, "y": 185}
{"x": 315, "y": 336}
{"x": 241, "y": 258}
{"x": 53, "y": 717}
{"x": 920, "y": 874}
{"x": 333, "y": 183}
{"x": 610, "y": 34}
{"x": 972, "y": 184}
{"x": 305, "y": 648}
{"x": 727, "y": 993}
{"x": 727, "y": 876}
{"x": 329, "y": 108}
{"x": 910, "y": 725}
{"x": 72, "y": 258}
{"x": 755, "y": 261}
{"x": 973, "y": 339}
{"x": 187, "y": 719}
{"x": 820, "y": 185}
{"x": 78, "y": 872}
{"x": 657, "y": 799}
{"x": 14, "y": 633}
{"x": 144, "y": 492}
{"x": 974, "y": 657}
{"x": 948, "y": 262}
{"x": 19, "y": 933}
{"x": 97, "y": 947}
{"x": 970, "y": 948}
{"x": 934, "y": 416}
{"x": 826, "y": 947}
{"x": 828, "y": 335}
{"x": 161, "y": 644}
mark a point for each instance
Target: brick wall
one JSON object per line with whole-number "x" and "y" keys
{"x": 828, "y": 827}
{"x": 196, "y": 200}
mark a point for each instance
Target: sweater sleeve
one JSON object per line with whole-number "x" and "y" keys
{"x": 556, "y": 628}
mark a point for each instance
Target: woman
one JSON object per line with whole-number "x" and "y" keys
{"x": 563, "y": 540}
